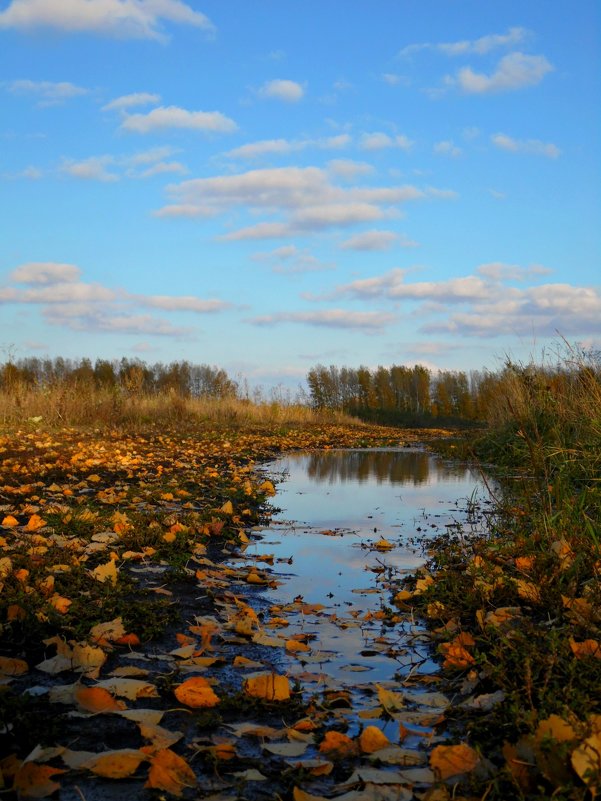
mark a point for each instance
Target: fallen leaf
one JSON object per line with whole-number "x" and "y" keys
{"x": 116, "y": 764}
{"x": 106, "y": 572}
{"x": 268, "y": 686}
{"x": 586, "y": 761}
{"x": 372, "y": 739}
{"x": 586, "y": 648}
{"x": 170, "y": 772}
{"x": 196, "y": 692}
{"x": 97, "y": 700}
{"x": 390, "y": 700}
{"x": 129, "y": 688}
{"x": 35, "y": 781}
{"x": 451, "y": 760}
{"x": 13, "y": 667}
{"x": 337, "y": 745}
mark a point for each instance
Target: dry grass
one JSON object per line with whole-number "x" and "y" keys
{"x": 70, "y": 404}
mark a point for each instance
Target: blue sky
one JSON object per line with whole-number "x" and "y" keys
{"x": 269, "y": 185}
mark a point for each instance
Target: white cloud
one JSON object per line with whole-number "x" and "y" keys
{"x": 348, "y": 169}
{"x": 376, "y": 240}
{"x": 68, "y": 301}
{"x": 531, "y": 146}
{"x": 291, "y": 260}
{"x": 184, "y": 303}
{"x": 379, "y": 141}
{"x": 94, "y": 168}
{"x": 45, "y": 272}
{"x": 481, "y": 46}
{"x": 266, "y": 147}
{"x": 128, "y": 101}
{"x": 48, "y": 92}
{"x": 514, "y": 71}
{"x": 370, "y": 321}
{"x": 164, "y": 167}
{"x": 486, "y": 304}
{"x": 279, "y": 89}
{"x": 305, "y": 197}
{"x": 393, "y": 79}
{"x": 166, "y": 117}
{"x": 447, "y": 148}
{"x": 123, "y": 19}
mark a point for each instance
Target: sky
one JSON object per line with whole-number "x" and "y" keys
{"x": 269, "y": 185}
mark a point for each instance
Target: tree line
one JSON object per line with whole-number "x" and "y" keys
{"x": 129, "y": 375}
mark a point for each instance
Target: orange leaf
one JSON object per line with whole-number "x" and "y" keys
{"x": 34, "y": 781}
{"x": 106, "y": 572}
{"x": 456, "y": 656}
{"x": 451, "y": 760}
{"x": 13, "y": 667}
{"x": 170, "y": 772}
{"x": 60, "y": 603}
{"x": 337, "y": 744}
{"x": 196, "y": 692}
{"x": 372, "y": 739}
{"x": 294, "y": 646}
{"x": 115, "y": 764}
{"x": 35, "y": 522}
{"x": 10, "y": 522}
{"x": 586, "y": 648}
{"x": 269, "y": 686}
{"x": 97, "y": 699}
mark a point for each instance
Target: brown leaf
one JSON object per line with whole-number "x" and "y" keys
{"x": 196, "y": 692}
{"x": 170, "y": 772}
{"x": 337, "y": 744}
{"x": 451, "y": 760}
{"x": 35, "y": 781}
{"x": 13, "y": 667}
{"x": 586, "y": 648}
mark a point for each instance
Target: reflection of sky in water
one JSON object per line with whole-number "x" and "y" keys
{"x": 393, "y": 491}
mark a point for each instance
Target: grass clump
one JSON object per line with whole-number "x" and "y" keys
{"x": 517, "y": 610}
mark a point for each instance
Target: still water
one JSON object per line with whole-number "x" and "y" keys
{"x": 332, "y": 507}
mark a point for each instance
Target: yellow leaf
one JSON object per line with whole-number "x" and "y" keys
{"x": 267, "y": 488}
{"x": 115, "y": 764}
{"x": 372, "y": 739}
{"x": 87, "y": 659}
{"x": 35, "y": 522}
{"x": 586, "y": 761}
{"x": 525, "y": 563}
{"x": 169, "y": 537}
{"x": 60, "y": 603}
{"x": 35, "y": 781}
{"x": 390, "y": 700}
{"x": 451, "y": 760}
{"x": 383, "y": 545}
{"x": 227, "y": 508}
{"x": 196, "y": 692}
{"x": 106, "y": 572}
{"x": 295, "y": 646}
{"x": 301, "y": 795}
{"x": 97, "y": 700}
{"x": 528, "y": 591}
{"x": 103, "y": 633}
{"x": 254, "y": 578}
{"x": 170, "y": 772}
{"x": 269, "y": 686}
{"x": 13, "y": 667}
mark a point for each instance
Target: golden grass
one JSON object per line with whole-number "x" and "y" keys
{"x": 70, "y": 404}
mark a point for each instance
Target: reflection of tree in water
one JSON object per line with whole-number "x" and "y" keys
{"x": 393, "y": 467}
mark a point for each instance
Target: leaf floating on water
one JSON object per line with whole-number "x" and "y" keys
{"x": 390, "y": 700}
{"x": 337, "y": 745}
{"x": 268, "y": 686}
{"x": 372, "y": 739}
{"x": 452, "y": 760}
{"x": 383, "y": 545}
{"x": 286, "y": 749}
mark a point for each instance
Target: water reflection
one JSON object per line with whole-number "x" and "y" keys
{"x": 413, "y": 467}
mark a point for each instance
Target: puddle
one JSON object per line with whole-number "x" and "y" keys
{"x": 357, "y": 497}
